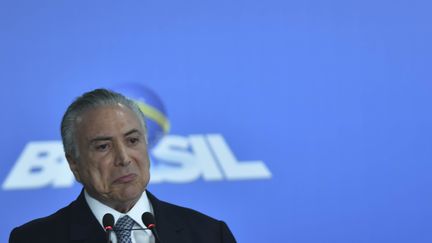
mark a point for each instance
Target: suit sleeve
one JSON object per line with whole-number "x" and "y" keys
{"x": 226, "y": 235}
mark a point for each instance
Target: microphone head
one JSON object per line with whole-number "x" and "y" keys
{"x": 148, "y": 220}
{"x": 108, "y": 221}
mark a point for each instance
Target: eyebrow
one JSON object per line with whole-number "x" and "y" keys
{"x": 101, "y": 138}
{"x": 105, "y": 138}
{"x": 132, "y": 131}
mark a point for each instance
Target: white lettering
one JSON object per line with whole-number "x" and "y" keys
{"x": 175, "y": 159}
{"x": 233, "y": 169}
{"x": 175, "y": 163}
{"x": 40, "y": 164}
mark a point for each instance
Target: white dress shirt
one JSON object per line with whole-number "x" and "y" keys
{"x": 142, "y": 205}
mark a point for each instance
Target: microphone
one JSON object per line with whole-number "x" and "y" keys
{"x": 150, "y": 223}
{"x": 108, "y": 223}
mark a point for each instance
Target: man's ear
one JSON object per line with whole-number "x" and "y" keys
{"x": 73, "y": 165}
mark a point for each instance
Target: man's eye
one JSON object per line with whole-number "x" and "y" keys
{"x": 133, "y": 140}
{"x": 102, "y": 147}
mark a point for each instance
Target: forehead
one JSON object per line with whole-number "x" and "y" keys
{"x": 107, "y": 120}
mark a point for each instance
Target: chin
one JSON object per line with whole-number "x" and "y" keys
{"x": 131, "y": 193}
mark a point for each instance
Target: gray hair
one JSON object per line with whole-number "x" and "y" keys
{"x": 90, "y": 100}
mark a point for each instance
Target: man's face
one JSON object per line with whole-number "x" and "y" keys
{"x": 113, "y": 162}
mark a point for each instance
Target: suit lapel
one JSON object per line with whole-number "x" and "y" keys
{"x": 169, "y": 227}
{"x": 84, "y": 226}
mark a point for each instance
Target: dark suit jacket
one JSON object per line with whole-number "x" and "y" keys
{"x": 76, "y": 223}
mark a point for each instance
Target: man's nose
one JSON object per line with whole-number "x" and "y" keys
{"x": 122, "y": 157}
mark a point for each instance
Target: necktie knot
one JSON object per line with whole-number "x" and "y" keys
{"x": 123, "y": 228}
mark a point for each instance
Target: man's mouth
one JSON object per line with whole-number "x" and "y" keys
{"x": 126, "y": 178}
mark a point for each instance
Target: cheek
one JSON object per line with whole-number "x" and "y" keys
{"x": 143, "y": 164}
{"x": 97, "y": 174}
{"x": 141, "y": 156}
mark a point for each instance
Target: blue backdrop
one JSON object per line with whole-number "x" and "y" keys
{"x": 293, "y": 121}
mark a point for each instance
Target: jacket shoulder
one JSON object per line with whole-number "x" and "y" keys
{"x": 44, "y": 229}
{"x": 188, "y": 215}
{"x": 193, "y": 225}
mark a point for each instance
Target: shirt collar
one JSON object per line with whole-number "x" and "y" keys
{"x": 99, "y": 209}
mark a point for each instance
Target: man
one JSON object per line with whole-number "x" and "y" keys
{"x": 104, "y": 138}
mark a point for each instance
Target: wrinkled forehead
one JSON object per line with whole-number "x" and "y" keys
{"x": 95, "y": 111}
{"x": 107, "y": 119}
